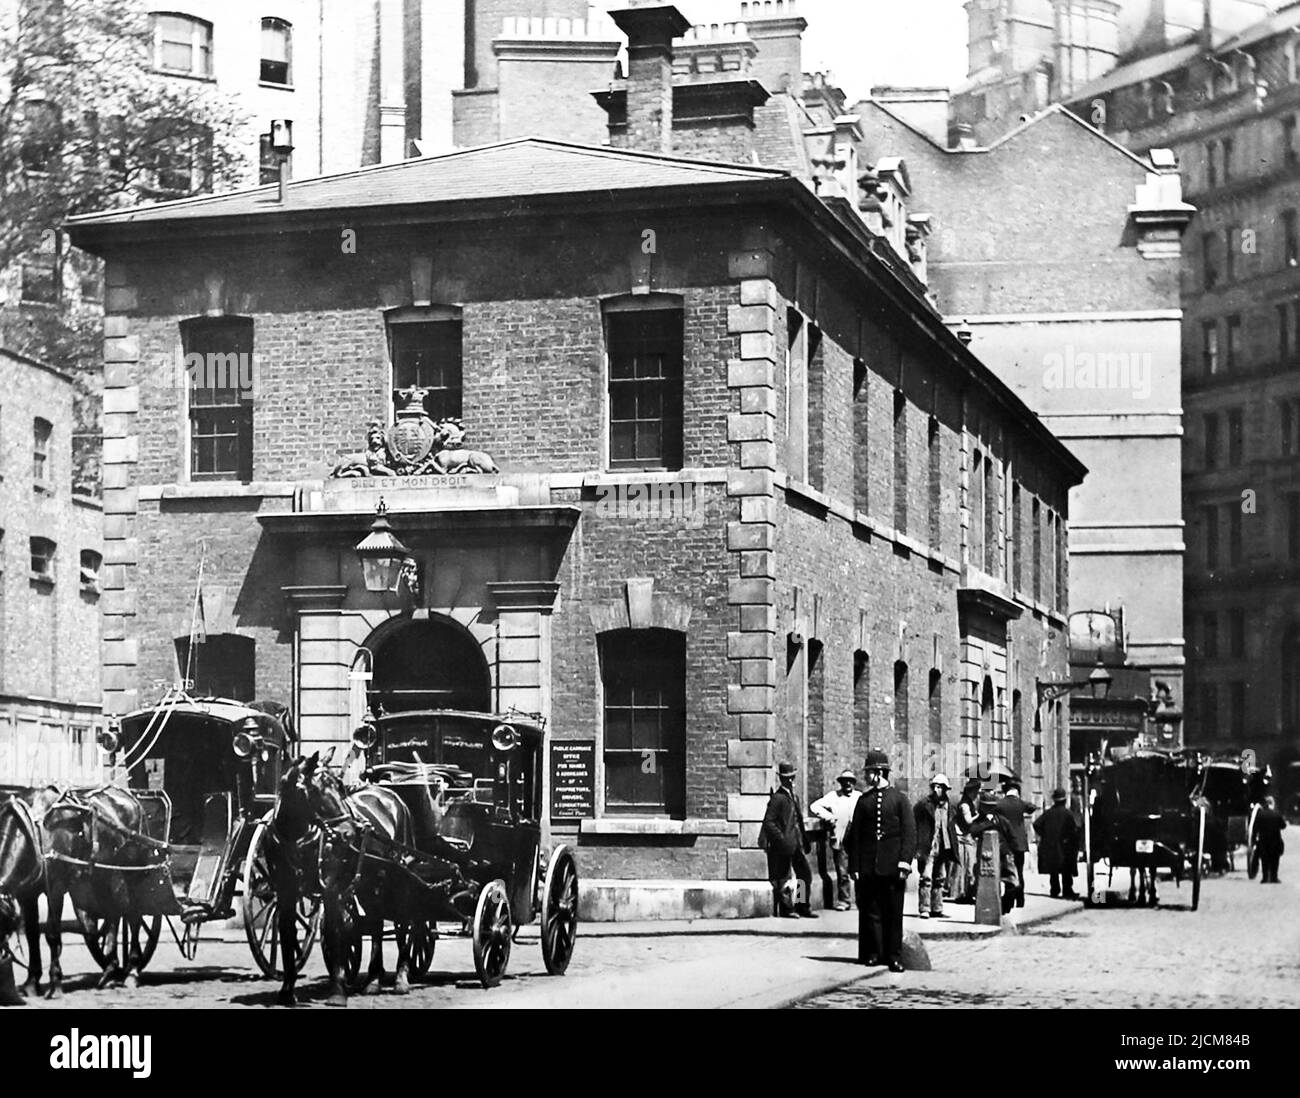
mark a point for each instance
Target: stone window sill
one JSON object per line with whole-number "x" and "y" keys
{"x": 635, "y": 476}
{"x": 218, "y": 489}
{"x": 808, "y": 493}
{"x": 634, "y": 825}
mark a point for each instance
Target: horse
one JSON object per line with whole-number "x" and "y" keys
{"x": 95, "y": 843}
{"x": 23, "y": 874}
{"x": 358, "y": 838}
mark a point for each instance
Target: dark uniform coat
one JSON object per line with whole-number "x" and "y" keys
{"x": 882, "y": 833}
{"x": 782, "y": 829}
{"x": 1058, "y": 840}
{"x": 1268, "y": 831}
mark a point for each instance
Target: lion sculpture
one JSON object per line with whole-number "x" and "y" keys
{"x": 370, "y": 462}
{"x": 450, "y": 455}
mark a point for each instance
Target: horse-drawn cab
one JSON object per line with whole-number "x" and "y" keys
{"x": 473, "y": 784}
{"x": 1234, "y": 789}
{"x": 206, "y": 772}
{"x": 1146, "y": 814}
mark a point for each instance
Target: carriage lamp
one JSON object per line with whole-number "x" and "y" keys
{"x": 384, "y": 559}
{"x": 504, "y": 738}
{"x": 248, "y": 740}
{"x": 1098, "y": 682}
{"x": 110, "y": 738}
{"x": 365, "y": 735}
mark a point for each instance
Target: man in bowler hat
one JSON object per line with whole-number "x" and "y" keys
{"x": 782, "y": 836}
{"x": 881, "y": 845}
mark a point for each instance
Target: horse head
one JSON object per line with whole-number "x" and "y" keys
{"x": 294, "y": 814}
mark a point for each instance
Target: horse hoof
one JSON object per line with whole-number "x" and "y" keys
{"x": 54, "y": 991}
{"x": 30, "y": 990}
{"x": 132, "y": 980}
{"x": 337, "y": 999}
{"x": 107, "y": 978}
{"x": 402, "y": 986}
{"x": 370, "y": 987}
{"x": 286, "y": 998}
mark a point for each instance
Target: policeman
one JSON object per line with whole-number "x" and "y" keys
{"x": 881, "y": 845}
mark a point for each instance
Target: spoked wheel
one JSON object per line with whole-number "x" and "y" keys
{"x": 1200, "y": 857}
{"x": 355, "y": 941}
{"x": 262, "y": 912}
{"x": 422, "y": 937}
{"x": 109, "y": 940}
{"x": 492, "y": 932}
{"x": 559, "y": 911}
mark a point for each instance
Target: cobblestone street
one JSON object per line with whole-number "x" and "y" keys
{"x": 1241, "y": 949}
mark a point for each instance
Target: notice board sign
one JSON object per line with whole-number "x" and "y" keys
{"x": 573, "y": 779}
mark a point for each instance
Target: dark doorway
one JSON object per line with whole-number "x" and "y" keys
{"x": 433, "y": 664}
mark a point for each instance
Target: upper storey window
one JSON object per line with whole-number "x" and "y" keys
{"x": 277, "y": 43}
{"x": 182, "y": 44}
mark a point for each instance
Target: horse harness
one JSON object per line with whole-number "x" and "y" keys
{"x": 73, "y": 802}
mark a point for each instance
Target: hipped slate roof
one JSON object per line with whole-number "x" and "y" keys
{"x": 522, "y": 169}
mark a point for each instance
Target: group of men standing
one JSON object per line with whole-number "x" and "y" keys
{"x": 878, "y": 835}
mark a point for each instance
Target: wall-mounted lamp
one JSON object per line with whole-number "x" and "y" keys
{"x": 1098, "y": 682}
{"x": 385, "y": 562}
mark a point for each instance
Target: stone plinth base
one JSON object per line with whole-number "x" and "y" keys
{"x": 613, "y": 901}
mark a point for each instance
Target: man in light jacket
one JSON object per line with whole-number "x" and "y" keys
{"x": 836, "y": 808}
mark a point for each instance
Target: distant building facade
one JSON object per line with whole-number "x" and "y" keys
{"x": 51, "y": 579}
{"x": 1081, "y": 317}
{"x": 1230, "y": 115}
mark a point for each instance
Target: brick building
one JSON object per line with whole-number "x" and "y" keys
{"x": 50, "y": 561}
{"x": 1229, "y": 113}
{"x": 756, "y": 499}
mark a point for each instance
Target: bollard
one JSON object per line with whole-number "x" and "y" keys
{"x": 988, "y": 885}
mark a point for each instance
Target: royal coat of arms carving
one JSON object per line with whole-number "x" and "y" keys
{"x": 414, "y": 446}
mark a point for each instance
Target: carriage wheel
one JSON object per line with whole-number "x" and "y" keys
{"x": 492, "y": 933}
{"x": 421, "y": 938}
{"x": 559, "y": 911}
{"x": 1200, "y": 857}
{"x": 1252, "y": 855}
{"x": 97, "y": 931}
{"x": 262, "y": 912}
{"x": 352, "y": 961}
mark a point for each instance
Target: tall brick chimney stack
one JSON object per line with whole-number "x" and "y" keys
{"x": 650, "y": 30}
{"x": 777, "y": 30}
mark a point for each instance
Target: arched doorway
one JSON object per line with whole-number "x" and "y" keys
{"x": 433, "y": 663}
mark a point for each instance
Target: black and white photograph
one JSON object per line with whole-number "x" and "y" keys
{"x": 545, "y": 506}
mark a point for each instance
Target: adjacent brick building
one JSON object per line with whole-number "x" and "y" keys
{"x": 50, "y": 575}
{"x": 754, "y": 502}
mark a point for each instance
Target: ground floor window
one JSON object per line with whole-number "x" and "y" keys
{"x": 220, "y": 666}
{"x": 643, "y": 673}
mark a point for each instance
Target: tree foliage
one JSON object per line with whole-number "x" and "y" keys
{"x": 87, "y": 123}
